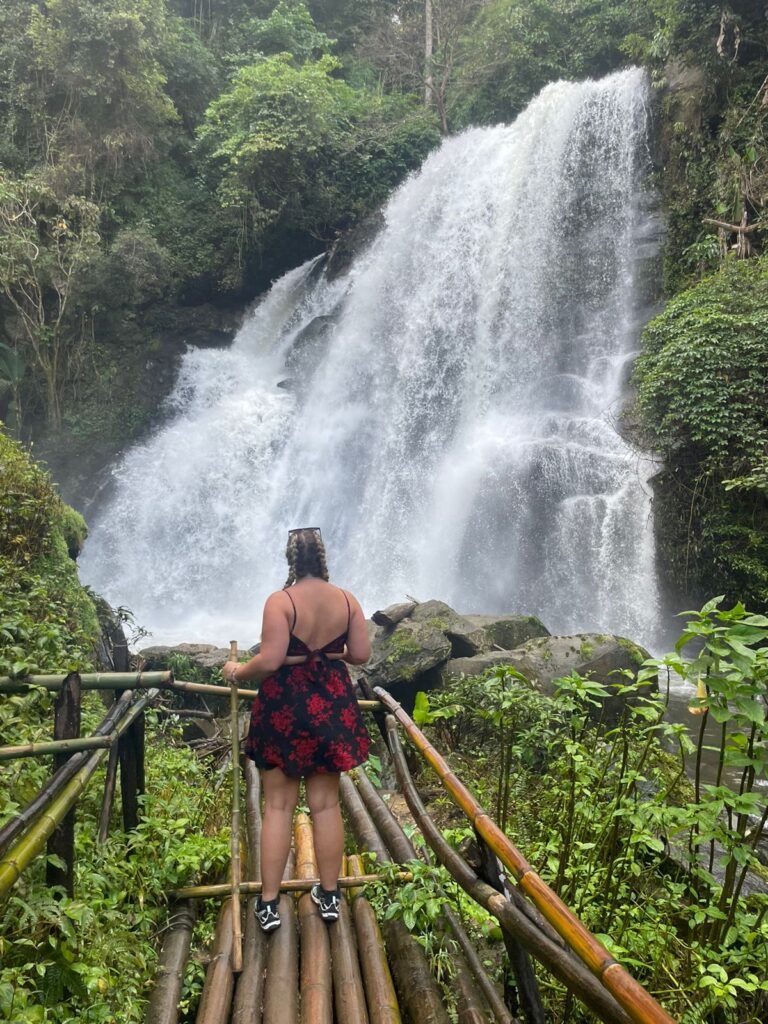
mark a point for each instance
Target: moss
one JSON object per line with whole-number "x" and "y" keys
{"x": 635, "y": 653}
{"x": 48, "y": 619}
{"x": 586, "y": 650}
{"x": 73, "y": 529}
{"x": 402, "y": 643}
{"x": 438, "y": 623}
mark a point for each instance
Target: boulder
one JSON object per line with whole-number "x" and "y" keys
{"x": 307, "y": 351}
{"x": 465, "y": 638}
{"x": 408, "y": 657}
{"x": 477, "y": 666}
{"x": 506, "y": 632}
{"x": 204, "y": 657}
{"x": 598, "y": 656}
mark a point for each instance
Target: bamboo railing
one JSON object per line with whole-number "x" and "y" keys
{"x": 135, "y": 681}
{"x": 631, "y": 996}
{"x": 16, "y": 859}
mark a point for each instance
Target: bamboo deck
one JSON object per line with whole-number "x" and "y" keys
{"x": 360, "y": 969}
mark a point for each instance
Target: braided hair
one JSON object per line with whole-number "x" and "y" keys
{"x": 306, "y": 556}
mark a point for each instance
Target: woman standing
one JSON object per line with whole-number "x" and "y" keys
{"x": 305, "y": 723}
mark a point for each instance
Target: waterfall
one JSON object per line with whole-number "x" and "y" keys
{"x": 450, "y": 414}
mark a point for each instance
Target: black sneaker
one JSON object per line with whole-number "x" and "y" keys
{"x": 327, "y": 900}
{"x": 267, "y": 914}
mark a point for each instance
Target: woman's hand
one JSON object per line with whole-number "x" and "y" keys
{"x": 227, "y": 669}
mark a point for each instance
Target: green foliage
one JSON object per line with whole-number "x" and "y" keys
{"x": 702, "y": 391}
{"x": 299, "y": 147}
{"x": 47, "y": 621}
{"x": 653, "y": 864}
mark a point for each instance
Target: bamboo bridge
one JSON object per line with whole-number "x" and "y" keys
{"x": 359, "y": 970}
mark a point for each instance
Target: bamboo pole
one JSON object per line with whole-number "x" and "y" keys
{"x": 54, "y": 747}
{"x": 296, "y": 885}
{"x": 234, "y": 728}
{"x": 281, "y": 986}
{"x": 138, "y": 681}
{"x": 638, "y": 1003}
{"x": 62, "y": 843}
{"x": 377, "y": 978}
{"x": 416, "y": 988}
{"x": 249, "y": 989}
{"x": 316, "y": 989}
{"x": 402, "y": 849}
{"x": 219, "y": 984}
{"x": 109, "y": 795}
{"x": 348, "y": 992}
{"x": 18, "y": 856}
{"x": 515, "y": 915}
{"x": 163, "y": 1005}
{"x": 13, "y": 828}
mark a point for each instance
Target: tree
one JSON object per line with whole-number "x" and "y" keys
{"x": 46, "y": 244}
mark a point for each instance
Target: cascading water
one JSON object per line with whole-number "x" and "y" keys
{"x": 450, "y": 422}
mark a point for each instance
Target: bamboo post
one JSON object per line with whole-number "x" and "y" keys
{"x": 315, "y": 959}
{"x": 13, "y": 828}
{"x": 235, "y": 875}
{"x": 62, "y": 842}
{"x": 639, "y": 1004}
{"x": 515, "y": 915}
{"x": 129, "y": 781}
{"x": 164, "y": 1002}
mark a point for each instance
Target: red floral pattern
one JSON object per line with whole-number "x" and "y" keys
{"x": 306, "y": 720}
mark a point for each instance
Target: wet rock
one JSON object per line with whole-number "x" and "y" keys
{"x": 407, "y": 658}
{"x": 307, "y": 351}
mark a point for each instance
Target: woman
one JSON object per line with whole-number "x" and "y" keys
{"x": 305, "y": 721}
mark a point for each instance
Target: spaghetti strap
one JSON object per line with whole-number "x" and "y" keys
{"x": 288, "y": 595}
{"x": 349, "y": 610}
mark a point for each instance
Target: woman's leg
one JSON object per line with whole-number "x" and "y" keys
{"x": 328, "y": 829}
{"x": 280, "y": 796}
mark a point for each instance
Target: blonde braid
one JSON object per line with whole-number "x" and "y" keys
{"x": 306, "y": 556}
{"x": 291, "y": 555}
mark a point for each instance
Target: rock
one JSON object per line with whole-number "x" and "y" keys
{"x": 506, "y": 632}
{"x": 351, "y": 243}
{"x": 477, "y": 666}
{"x": 204, "y": 657}
{"x": 466, "y": 639}
{"x": 307, "y": 351}
{"x": 597, "y": 656}
{"x": 407, "y": 658}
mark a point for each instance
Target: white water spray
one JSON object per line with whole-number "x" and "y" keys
{"x": 456, "y": 437}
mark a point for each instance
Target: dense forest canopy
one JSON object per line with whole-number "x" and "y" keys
{"x": 162, "y": 160}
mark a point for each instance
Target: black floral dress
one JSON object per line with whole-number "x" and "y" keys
{"x": 305, "y": 718}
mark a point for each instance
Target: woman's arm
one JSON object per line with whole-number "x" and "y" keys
{"x": 275, "y": 635}
{"x": 358, "y": 643}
